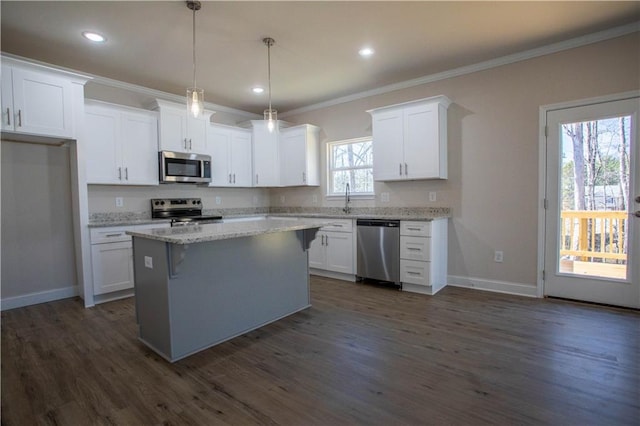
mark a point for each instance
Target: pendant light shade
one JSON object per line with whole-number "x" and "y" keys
{"x": 195, "y": 96}
{"x": 270, "y": 114}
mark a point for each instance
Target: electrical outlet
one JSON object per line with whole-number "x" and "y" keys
{"x": 432, "y": 196}
{"x": 119, "y": 202}
{"x": 498, "y": 256}
{"x": 218, "y": 200}
{"x": 384, "y": 197}
{"x": 148, "y": 262}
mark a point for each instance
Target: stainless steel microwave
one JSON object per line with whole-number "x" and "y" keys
{"x": 181, "y": 167}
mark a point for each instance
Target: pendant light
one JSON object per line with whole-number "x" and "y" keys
{"x": 195, "y": 96}
{"x": 270, "y": 114}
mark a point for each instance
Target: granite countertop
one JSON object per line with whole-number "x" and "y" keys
{"x": 190, "y": 234}
{"x": 401, "y": 213}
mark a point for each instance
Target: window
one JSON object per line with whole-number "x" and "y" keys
{"x": 350, "y": 161}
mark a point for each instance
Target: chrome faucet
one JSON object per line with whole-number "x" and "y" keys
{"x": 347, "y": 199}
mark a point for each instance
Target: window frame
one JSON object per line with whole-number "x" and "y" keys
{"x": 330, "y": 169}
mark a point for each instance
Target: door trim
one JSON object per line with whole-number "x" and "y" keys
{"x": 542, "y": 167}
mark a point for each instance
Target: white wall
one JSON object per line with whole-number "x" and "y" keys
{"x": 493, "y": 151}
{"x": 37, "y": 230}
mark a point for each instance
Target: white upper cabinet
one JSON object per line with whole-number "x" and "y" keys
{"x": 179, "y": 131}
{"x": 122, "y": 145}
{"x": 300, "y": 156}
{"x": 36, "y": 102}
{"x": 230, "y": 150}
{"x": 410, "y": 140}
{"x": 266, "y": 165}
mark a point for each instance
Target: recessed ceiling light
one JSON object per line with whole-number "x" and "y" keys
{"x": 90, "y": 35}
{"x": 366, "y": 51}
{"x": 258, "y": 90}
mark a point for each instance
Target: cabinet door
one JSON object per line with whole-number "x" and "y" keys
{"x": 339, "y": 249}
{"x": 219, "y": 142}
{"x": 421, "y": 141}
{"x": 388, "y": 153}
{"x": 266, "y": 169}
{"x": 112, "y": 267}
{"x": 293, "y": 154}
{"x": 241, "y": 158}
{"x": 173, "y": 129}
{"x": 102, "y": 129}
{"x": 42, "y": 103}
{"x": 8, "y": 118}
{"x": 196, "y": 134}
{"x": 317, "y": 252}
{"x": 139, "y": 143}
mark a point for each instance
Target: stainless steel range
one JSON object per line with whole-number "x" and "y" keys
{"x": 181, "y": 211}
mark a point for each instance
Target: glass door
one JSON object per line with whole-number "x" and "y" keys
{"x": 592, "y": 196}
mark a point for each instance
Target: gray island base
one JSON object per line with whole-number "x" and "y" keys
{"x": 197, "y": 286}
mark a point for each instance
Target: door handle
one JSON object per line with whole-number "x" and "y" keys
{"x": 8, "y": 117}
{"x": 19, "y": 118}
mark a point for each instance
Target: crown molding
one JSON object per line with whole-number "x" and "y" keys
{"x": 481, "y": 66}
{"x": 153, "y": 93}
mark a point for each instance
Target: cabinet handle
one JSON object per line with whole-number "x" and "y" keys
{"x": 126, "y": 173}
{"x": 400, "y": 164}
{"x": 114, "y": 235}
{"x": 337, "y": 225}
{"x": 119, "y": 173}
{"x": 413, "y": 229}
{"x": 190, "y": 145}
{"x": 8, "y": 117}
{"x": 229, "y": 177}
{"x": 326, "y": 240}
{"x": 234, "y": 178}
{"x": 19, "y": 118}
{"x": 257, "y": 179}
{"x": 185, "y": 143}
{"x": 406, "y": 170}
{"x": 413, "y": 249}
{"x": 413, "y": 273}
{"x": 304, "y": 177}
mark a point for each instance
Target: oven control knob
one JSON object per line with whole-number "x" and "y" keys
{"x": 199, "y": 202}
{"x": 162, "y": 203}
{"x": 193, "y": 202}
{"x": 156, "y": 203}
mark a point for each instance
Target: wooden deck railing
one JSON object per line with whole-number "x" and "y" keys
{"x": 594, "y": 235}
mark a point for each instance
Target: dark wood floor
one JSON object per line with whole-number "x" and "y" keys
{"x": 361, "y": 355}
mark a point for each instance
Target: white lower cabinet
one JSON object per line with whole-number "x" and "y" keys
{"x": 333, "y": 249}
{"x": 423, "y": 255}
{"x": 112, "y": 257}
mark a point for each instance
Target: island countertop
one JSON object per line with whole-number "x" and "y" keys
{"x": 191, "y": 234}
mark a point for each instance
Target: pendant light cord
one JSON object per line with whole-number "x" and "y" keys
{"x": 269, "y": 72}
{"x": 194, "y": 47}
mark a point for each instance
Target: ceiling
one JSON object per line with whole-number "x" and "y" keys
{"x": 315, "y": 57}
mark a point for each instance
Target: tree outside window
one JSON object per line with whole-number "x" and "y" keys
{"x": 350, "y": 161}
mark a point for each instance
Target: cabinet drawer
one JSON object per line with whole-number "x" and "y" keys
{"x": 110, "y": 234}
{"x": 415, "y": 248}
{"x": 415, "y": 272}
{"x": 415, "y": 229}
{"x": 339, "y": 225}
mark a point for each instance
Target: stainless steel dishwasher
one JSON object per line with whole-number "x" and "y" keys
{"x": 379, "y": 250}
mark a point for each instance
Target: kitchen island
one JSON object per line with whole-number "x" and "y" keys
{"x": 200, "y": 285}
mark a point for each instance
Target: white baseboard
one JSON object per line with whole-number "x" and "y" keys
{"x": 40, "y": 297}
{"x": 331, "y": 274}
{"x": 496, "y": 286}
